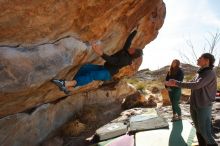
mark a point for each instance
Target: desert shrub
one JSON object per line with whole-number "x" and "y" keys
{"x": 140, "y": 86}
{"x": 132, "y": 81}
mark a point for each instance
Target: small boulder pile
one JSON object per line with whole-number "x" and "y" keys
{"x": 138, "y": 100}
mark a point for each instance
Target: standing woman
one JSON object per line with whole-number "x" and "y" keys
{"x": 175, "y": 73}
{"x": 203, "y": 91}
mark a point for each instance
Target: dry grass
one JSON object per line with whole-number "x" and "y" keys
{"x": 146, "y": 85}
{"x": 132, "y": 81}
{"x": 155, "y": 83}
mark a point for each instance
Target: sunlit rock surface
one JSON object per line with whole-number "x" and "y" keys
{"x": 41, "y": 40}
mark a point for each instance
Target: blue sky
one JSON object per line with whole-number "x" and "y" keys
{"x": 185, "y": 20}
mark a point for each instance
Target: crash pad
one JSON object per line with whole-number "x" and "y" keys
{"x": 147, "y": 122}
{"x": 180, "y": 133}
{"x": 111, "y": 130}
{"x": 124, "y": 140}
{"x": 120, "y": 125}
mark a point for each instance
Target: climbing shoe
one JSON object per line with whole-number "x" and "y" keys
{"x": 61, "y": 85}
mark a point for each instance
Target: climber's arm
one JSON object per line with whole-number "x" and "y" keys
{"x": 129, "y": 40}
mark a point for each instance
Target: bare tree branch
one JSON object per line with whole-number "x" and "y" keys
{"x": 185, "y": 58}
{"x": 190, "y": 44}
{"x": 215, "y": 37}
{"x": 212, "y": 48}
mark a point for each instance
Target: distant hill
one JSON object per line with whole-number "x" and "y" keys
{"x": 187, "y": 68}
{"x": 147, "y": 74}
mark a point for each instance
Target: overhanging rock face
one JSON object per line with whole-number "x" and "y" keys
{"x": 41, "y": 40}
{"x": 33, "y": 126}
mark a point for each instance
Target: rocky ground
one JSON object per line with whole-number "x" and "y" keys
{"x": 150, "y": 93}
{"x": 77, "y": 130}
{"x": 166, "y": 112}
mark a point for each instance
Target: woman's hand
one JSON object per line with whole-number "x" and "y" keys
{"x": 171, "y": 83}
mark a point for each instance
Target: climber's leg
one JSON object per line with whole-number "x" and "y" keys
{"x": 100, "y": 73}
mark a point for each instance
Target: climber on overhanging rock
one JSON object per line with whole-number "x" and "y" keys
{"x": 89, "y": 72}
